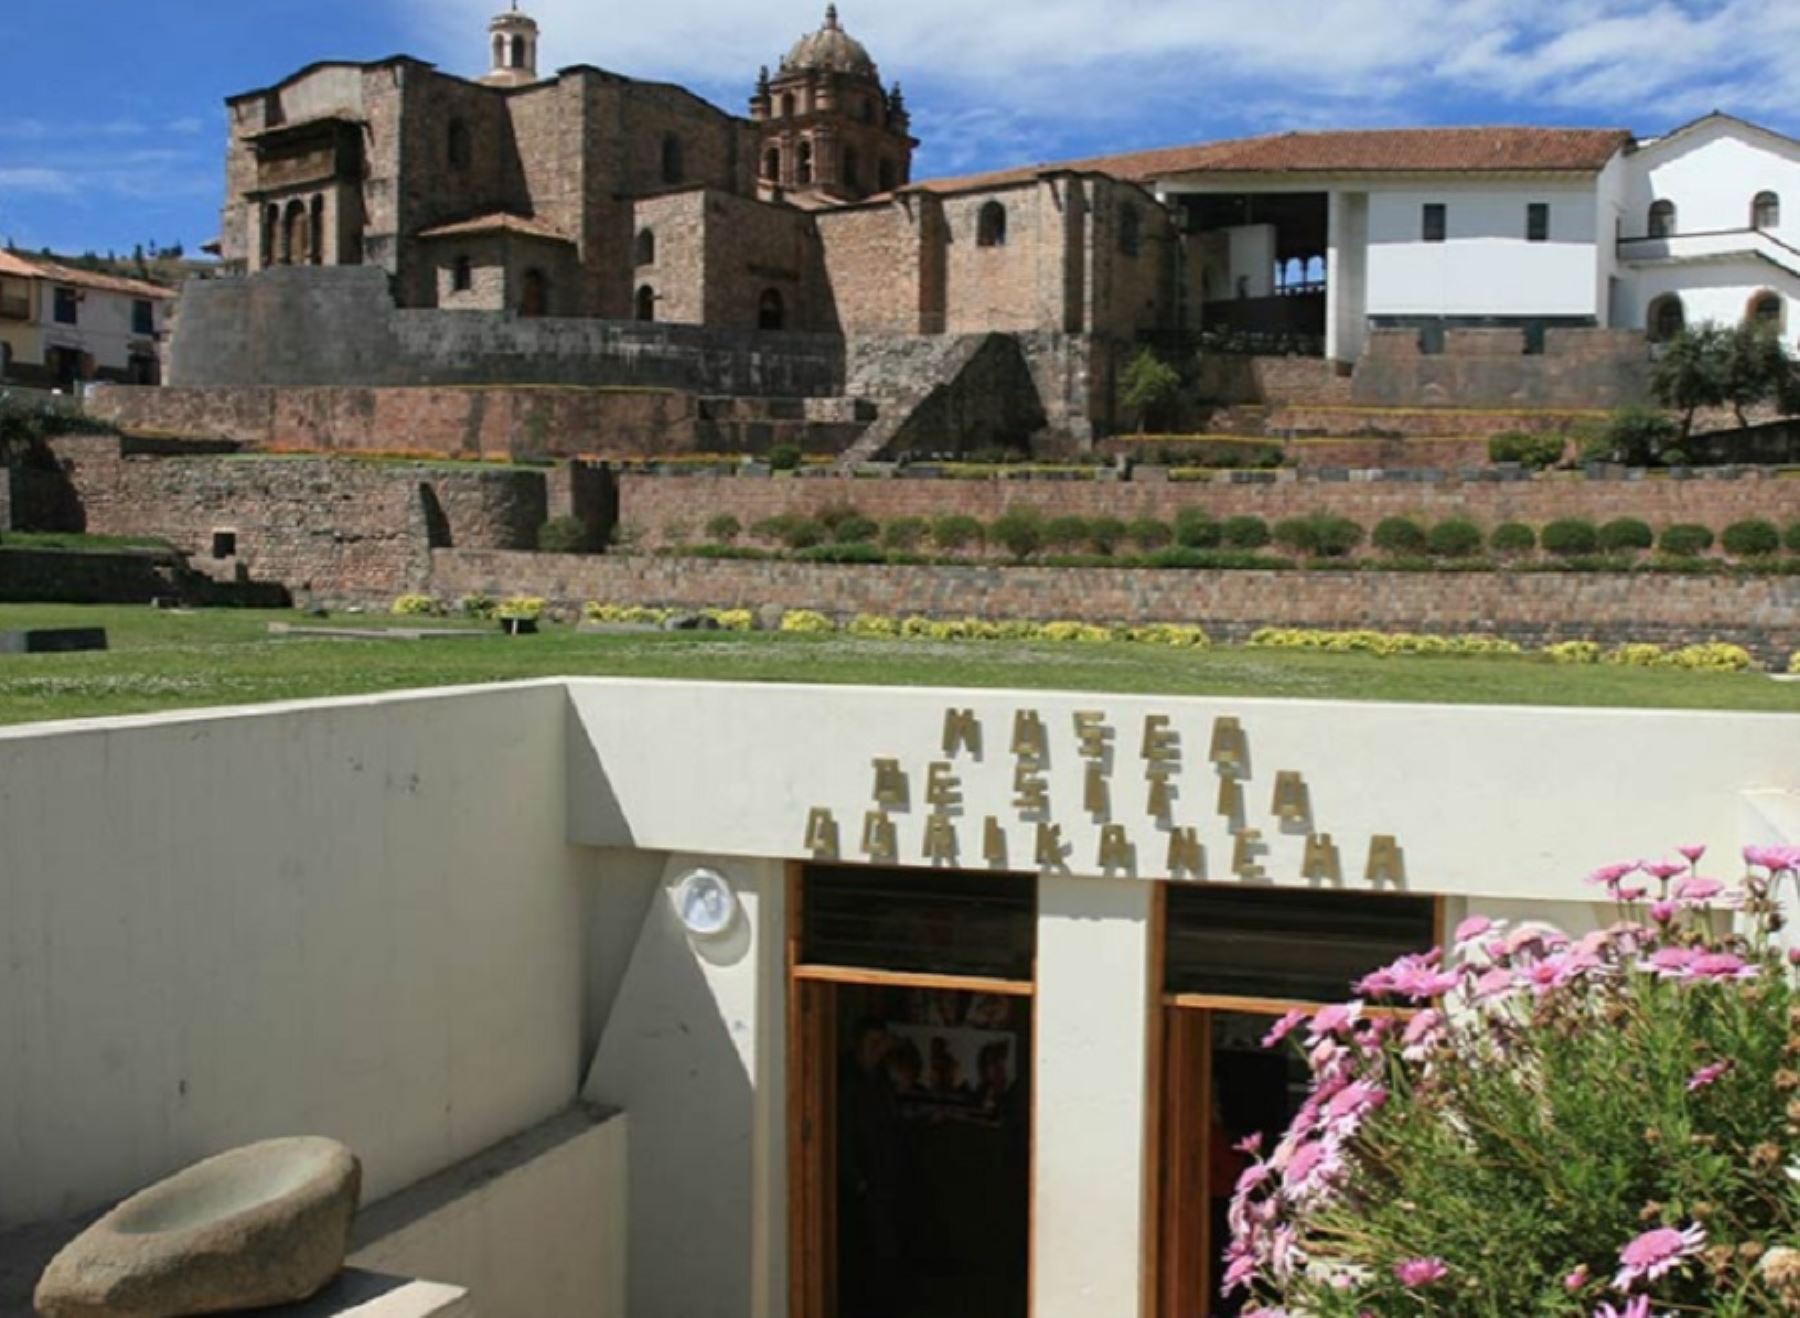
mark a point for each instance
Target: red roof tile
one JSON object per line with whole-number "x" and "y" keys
{"x": 63, "y": 274}
{"x": 1367, "y": 151}
{"x": 499, "y": 222}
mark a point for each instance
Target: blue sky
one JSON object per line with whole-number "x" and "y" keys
{"x": 120, "y": 140}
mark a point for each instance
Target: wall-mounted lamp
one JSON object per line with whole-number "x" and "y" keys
{"x": 705, "y": 903}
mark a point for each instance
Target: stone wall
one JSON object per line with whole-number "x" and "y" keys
{"x": 651, "y": 502}
{"x": 324, "y": 526}
{"x": 1490, "y": 367}
{"x": 339, "y": 326}
{"x": 1232, "y": 379}
{"x": 1761, "y": 613}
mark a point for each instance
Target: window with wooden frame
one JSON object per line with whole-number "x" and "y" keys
{"x": 1434, "y": 221}
{"x": 1537, "y": 222}
{"x": 910, "y": 1046}
{"x": 1229, "y": 962}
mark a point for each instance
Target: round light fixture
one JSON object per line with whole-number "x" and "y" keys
{"x": 705, "y": 903}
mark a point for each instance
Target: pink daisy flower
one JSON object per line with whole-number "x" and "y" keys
{"x": 1414, "y": 1273}
{"x": 1638, "y": 1307}
{"x": 1696, "y": 889}
{"x": 1693, "y": 851}
{"x": 1472, "y": 928}
{"x": 1657, "y": 1252}
{"x": 1706, "y": 1075}
{"x": 1282, "y": 1028}
{"x": 1576, "y": 1279}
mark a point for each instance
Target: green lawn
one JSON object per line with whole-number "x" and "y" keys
{"x": 165, "y": 660}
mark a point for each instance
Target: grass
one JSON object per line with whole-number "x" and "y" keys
{"x": 162, "y": 660}
{"x": 83, "y": 544}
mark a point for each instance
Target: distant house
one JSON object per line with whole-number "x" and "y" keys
{"x": 61, "y": 327}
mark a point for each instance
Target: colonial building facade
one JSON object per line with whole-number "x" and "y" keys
{"x": 61, "y": 327}
{"x": 585, "y": 194}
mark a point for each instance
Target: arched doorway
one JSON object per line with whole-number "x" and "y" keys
{"x": 646, "y": 303}
{"x": 1665, "y": 318}
{"x": 771, "y": 311}
{"x": 534, "y": 295}
{"x": 1766, "y": 311}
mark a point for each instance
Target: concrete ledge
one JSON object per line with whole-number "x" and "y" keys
{"x": 378, "y": 1295}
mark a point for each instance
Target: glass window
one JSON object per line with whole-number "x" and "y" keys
{"x": 66, "y": 305}
{"x": 1434, "y": 221}
{"x": 143, "y": 316}
{"x": 1537, "y": 222}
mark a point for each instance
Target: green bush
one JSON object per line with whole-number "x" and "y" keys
{"x": 564, "y": 535}
{"x": 1019, "y": 532}
{"x": 1454, "y": 537}
{"x": 1320, "y": 535}
{"x": 723, "y": 529}
{"x": 1242, "y": 532}
{"x": 1571, "y": 537}
{"x": 1149, "y": 535}
{"x": 1105, "y": 533}
{"x": 1635, "y": 436}
{"x": 784, "y": 457}
{"x": 858, "y": 551}
{"x": 854, "y": 530}
{"x": 955, "y": 532}
{"x": 905, "y": 534}
{"x": 773, "y": 528}
{"x": 1195, "y": 528}
{"x": 1535, "y": 451}
{"x": 1179, "y": 557}
{"x": 1626, "y": 534}
{"x": 802, "y": 533}
{"x": 1065, "y": 533}
{"x": 1685, "y": 539}
{"x": 1513, "y": 538}
{"x": 1399, "y": 536}
{"x": 1750, "y": 538}
{"x": 1791, "y": 537}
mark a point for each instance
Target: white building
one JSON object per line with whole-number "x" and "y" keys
{"x": 1324, "y": 236}
{"x": 582, "y": 969}
{"x": 61, "y": 327}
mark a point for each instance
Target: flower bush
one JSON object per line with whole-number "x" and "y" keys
{"x": 1606, "y": 1125}
{"x": 1377, "y": 643}
{"x": 414, "y": 606}
{"x": 805, "y": 621}
{"x": 528, "y": 607}
{"x": 633, "y": 614}
{"x": 1573, "y": 652}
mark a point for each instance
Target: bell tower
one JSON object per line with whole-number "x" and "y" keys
{"x": 512, "y": 49}
{"x": 831, "y": 130}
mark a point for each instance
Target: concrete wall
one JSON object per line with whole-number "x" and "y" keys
{"x": 359, "y": 920}
{"x": 1533, "y": 608}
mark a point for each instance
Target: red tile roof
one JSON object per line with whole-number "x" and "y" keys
{"x": 499, "y": 222}
{"x": 12, "y": 265}
{"x": 1363, "y": 151}
{"x": 63, "y": 274}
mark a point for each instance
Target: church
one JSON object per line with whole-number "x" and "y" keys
{"x": 1472, "y": 266}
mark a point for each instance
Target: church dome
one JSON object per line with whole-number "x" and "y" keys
{"x": 830, "y": 49}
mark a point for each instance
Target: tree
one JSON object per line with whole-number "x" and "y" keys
{"x": 1758, "y": 370}
{"x": 1692, "y": 372}
{"x": 1148, "y": 386}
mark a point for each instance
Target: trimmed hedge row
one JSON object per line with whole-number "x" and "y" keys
{"x": 842, "y": 533}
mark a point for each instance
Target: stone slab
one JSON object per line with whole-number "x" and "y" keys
{"x": 53, "y": 640}
{"x": 378, "y": 1295}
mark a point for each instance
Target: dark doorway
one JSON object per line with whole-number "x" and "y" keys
{"x": 534, "y": 295}
{"x": 910, "y": 1149}
{"x": 771, "y": 311}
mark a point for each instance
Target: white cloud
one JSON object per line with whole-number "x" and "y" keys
{"x": 1025, "y": 79}
{"x": 33, "y": 178}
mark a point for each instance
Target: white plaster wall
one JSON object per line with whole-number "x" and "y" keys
{"x": 1483, "y": 800}
{"x": 543, "y": 1234}
{"x": 1347, "y": 276}
{"x": 692, "y": 1053}
{"x": 1088, "y": 1158}
{"x": 1485, "y": 266}
{"x": 1609, "y": 225}
{"x": 357, "y": 919}
{"x": 1711, "y": 174}
{"x": 1718, "y": 291}
{"x": 1252, "y": 248}
{"x": 102, "y": 324}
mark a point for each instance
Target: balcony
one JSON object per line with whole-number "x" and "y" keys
{"x": 1709, "y": 245}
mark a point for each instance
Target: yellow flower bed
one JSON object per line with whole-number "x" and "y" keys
{"x": 806, "y": 621}
{"x": 1712, "y": 657}
{"x": 414, "y": 606}
{"x": 522, "y": 606}
{"x": 1384, "y": 644}
{"x": 1573, "y": 652}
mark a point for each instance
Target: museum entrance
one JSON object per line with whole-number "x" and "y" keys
{"x": 910, "y": 1115}
{"x": 1233, "y": 962}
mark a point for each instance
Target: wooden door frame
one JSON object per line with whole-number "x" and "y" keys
{"x": 813, "y": 1043}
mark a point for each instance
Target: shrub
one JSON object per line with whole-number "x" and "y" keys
{"x": 772, "y": 528}
{"x": 525, "y": 607}
{"x": 1636, "y": 436}
{"x": 1319, "y": 534}
{"x": 1685, "y": 539}
{"x": 1455, "y": 537}
{"x": 414, "y": 606}
{"x": 1535, "y": 451}
{"x": 1399, "y": 536}
{"x": 732, "y": 620}
{"x": 872, "y": 624}
{"x": 564, "y": 535}
{"x": 1512, "y": 539}
{"x": 1148, "y": 386}
{"x": 1590, "y": 1126}
{"x": 855, "y": 530}
{"x": 476, "y": 606}
{"x": 1171, "y": 634}
{"x": 905, "y": 534}
{"x": 801, "y": 532}
{"x": 834, "y": 515}
{"x": 1195, "y": 528}
{"x": 1365, "y": 641}
{"x": 955, "y": 532}
{"x": 1105, "y": 533}
{"x": 1019, "y": 532}
{"x": 1571, "y": 537}
{"x": 1244, "y": 532}
{"x": 1149, "y": 535}
{"x": 1635, "y": 654}
{"x": 1791, "y": 537}
{"x": 1750, "y": 538}
{"x": 1626, "y": 534}
{"x": 723, "y": 529}
{"x": 784, "y": 457}
{"x": 638, "y": 615}
{"x": 1064, "y": 533}
{"x": 805, "y": 621}
{"x": 1573, "y": 652}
